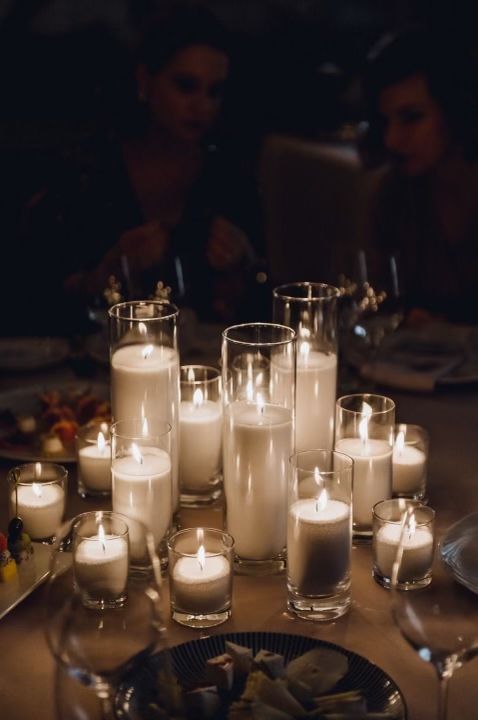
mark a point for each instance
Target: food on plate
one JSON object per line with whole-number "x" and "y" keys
{"x": 240, "y": 686}
{"x": 19, "y": 542}
{"x": 8, "y": 566}
{"x": 50, "y": 430}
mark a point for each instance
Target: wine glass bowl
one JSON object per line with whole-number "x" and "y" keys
{"x": 439, "y": 621}
{"x": 98, "y": 643}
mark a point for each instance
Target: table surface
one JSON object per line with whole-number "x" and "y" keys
{"x": 27, "y": 670}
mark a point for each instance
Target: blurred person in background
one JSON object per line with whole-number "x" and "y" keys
{"x": 421, "y": 96}
{"x": 155, "y": 198}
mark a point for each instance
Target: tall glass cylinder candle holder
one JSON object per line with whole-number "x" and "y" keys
{"x": 410, "y": 461}
{"x": 258, "y": 366}
{"x": 101, "y": 558}
{"x": 142, "y": 477}
{"x": 319, "y": 534}
{"x": 200, "y": 576}
{"x": 200, "y": 435}
{"x": 144, "y": 363}
{"x": 311, "y": 310}
{"x": 37, "y": 495}
{"x": 364, "y": 431}
{"x": 93, "y": 450}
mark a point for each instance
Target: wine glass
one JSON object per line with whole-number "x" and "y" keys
{"x": 103, "y": 601}
{"x": 439, "y": 621}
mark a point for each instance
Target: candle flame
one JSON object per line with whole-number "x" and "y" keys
{"x": 143, "y": 330}
{"x": 136, "y": 453}
{"x": 101, "y": 443}
{"x": 191, "y": 376}
{"x": 198, "y": 398}
{"x": 400, "y": 442}
{"x": 147, "y": 351}
{"x": 304, "y": 349}
{"x": 201, "y": 556}
{"x": 260, "y": 403}
{"x": 104, "y": 428}
{"x": 363, "y": 424}
{"x": 317, "y": 476}
{"x": 145, "y": 427}
{"x": 101, "y": 537}
{"x": 249, "y": 391}
{"x": 321, "y": 500}
{"x": 36, "y": 487}
{"x": 38, "y": 470}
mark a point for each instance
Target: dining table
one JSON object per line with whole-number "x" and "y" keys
{"x": 28, "y": 674}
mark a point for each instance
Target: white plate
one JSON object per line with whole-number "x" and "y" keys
{"x": 28, "y": 402}
{"x": 29, "y": 575}
{"x": 32, "y": 353}
{"x": 459, "y": 550}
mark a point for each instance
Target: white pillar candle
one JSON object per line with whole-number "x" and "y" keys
{"x": 40, "y": 506}
{"x": 101, "y": 565}
{"x": 201, "y": 588}
{"x": 318, "y": 545}
{"x": 257, "y": 447}
{"x": 142, "y": 489}
{"x": 94, "y": 465}
{"x": 200, "y": 425}
{"x": 145, "y": 383}
{"x": 417, "y": 551}
{"x": 408, "y": 467}
{"x": 316, "y": 385}
{"x": 372, "y": 475}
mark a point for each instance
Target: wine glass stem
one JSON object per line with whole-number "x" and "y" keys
{"x": 443, "y": 697}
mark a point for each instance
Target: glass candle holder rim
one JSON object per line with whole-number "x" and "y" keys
{"x": 251, "y": 343}
{"x": 138, "y": 435}
{"x": 391, "y": 403}
{"x": 346, "y": 459}
{"x": 217, "y": 532}
{"x": 413, "y": 426}
{"x": 335, "y": 292}
{"x": 109, "y": 514}
{"x": 408, "y": 503}
{"x": 90, "y": 425}
{"x": 200, "y": 381}
{"x": 115, "y": 312}
{"x": 63, "y": 474}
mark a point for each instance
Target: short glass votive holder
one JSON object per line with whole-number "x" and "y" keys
{"x": 319, "y": 535}
{"x": 418, "y": 543}
{"x": 93, "y": 449}
{"x": 364, "y": 431}
{"x": 200, "y": 576}
{"x": 200, "y": 435}
{"x": 101, "y": 558}
{"x": 37, "y": 495}
{"x": 410, "y": 461}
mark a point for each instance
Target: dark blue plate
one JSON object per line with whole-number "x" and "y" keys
{"x": 189, "y": 663}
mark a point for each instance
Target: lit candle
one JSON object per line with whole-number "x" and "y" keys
{"x": 318, "y": 544}
{"x": 101, "y": 565}
{"x": 200, "y": 424}
{"x": 145, "y": 383}
{"x": 409, "y": 464}
{"x": 316, "y": 385}
{"x": 257, "y": 447}
{"x": 142, "y": 488}
{"x": 372, "y": 469}
{"x": 40, "y": 505}
{"x": 201, "y": 583}
{"x": 417, "y": 550}
{"x": 94, "y": 462}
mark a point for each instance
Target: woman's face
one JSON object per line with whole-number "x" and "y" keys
{"x": 185, "y": 96}
{"x": 415, "y": 130}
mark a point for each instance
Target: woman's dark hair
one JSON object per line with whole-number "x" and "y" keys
{"x": 451, "y": 76}
{"x": 180, "y": 27}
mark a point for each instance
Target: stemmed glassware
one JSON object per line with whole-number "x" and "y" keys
{"x": 439, "y": 621}
{"x": 103, "y": 604}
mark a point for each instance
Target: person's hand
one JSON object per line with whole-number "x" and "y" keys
{"x": 226, "y": 245}
{"x": 144, "y": 246}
